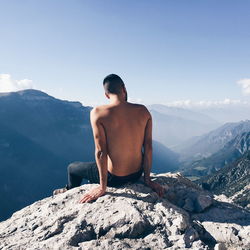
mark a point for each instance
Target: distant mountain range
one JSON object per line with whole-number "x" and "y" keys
{"x": 232, "y": 151}
{"x": 62, "y": 127}
{"x": 39, "y": 136}
{"x": 204, "y": 146}
{"x": 173, "y": 126}
{"x": 224, "y": 113}
{"x": 183, "y": 113}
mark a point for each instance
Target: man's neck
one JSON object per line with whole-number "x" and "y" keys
{"x": 117, "y": 100}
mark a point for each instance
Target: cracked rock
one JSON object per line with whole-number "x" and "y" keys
{"x": 130, "y": 217}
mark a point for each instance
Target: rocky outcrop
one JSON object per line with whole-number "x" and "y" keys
{"x": 131, "y": 217}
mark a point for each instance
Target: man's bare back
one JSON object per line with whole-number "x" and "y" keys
{"x": 124, "y": 126}
{"x": 120, "y": 130}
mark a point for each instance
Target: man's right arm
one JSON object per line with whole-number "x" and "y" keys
{"x": 147, "y": 159}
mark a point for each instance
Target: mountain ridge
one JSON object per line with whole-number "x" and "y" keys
{"x": 209, "y": 143}
{"x": 231, "y": 151}
{"x": 172, "y": 126}
{"x": 232, "y": 181}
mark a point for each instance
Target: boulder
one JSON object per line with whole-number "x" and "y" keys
{"x": 129, "y": 217}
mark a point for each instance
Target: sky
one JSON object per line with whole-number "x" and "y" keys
{"x": 168, "y": 52}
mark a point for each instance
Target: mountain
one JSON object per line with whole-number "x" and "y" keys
{"x": 232, "y": 151}
{"x": 210, "y": 143}
{"x": 172, "y": 126}
{"x": 39, "y": 136}
{"x": 61, "y": 127}
{"x": 184, "y": 114}
{"x": 225, "y": 113}
{"x": 232, "y": 180}
{"x": 164, "y": 159}
{"x": 130, "y": 217}
{"x": 28, "y": 171}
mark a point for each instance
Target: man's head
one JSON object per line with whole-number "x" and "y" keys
{"x": 114, "y": 85}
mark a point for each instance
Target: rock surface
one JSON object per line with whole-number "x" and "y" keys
{"x": 131, "y": 217}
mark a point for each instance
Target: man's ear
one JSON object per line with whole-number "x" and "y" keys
{"x": 107, "y": 95}
{"x": 124, "y": 89}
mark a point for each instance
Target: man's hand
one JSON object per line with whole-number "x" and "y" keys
{"x": 92, "y": 195}
{"x": 156, "y": 187}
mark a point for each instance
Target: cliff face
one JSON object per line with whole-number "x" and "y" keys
{"x": 232, "y": 181}
{"x": 131, "y": 217}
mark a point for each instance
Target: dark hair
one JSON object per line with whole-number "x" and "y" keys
{"x": 113, "y": 84}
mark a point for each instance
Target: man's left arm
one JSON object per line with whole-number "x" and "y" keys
{"x": 100, "y": 157}
{"x": 147, "y": 159}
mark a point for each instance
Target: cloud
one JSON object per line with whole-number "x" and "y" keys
{"x": 202, "y": 104}
{"x": 8, "y": 84}
{"x": 245, "y": 86}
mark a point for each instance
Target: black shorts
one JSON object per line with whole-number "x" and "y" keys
{"x": 77, "y": 171}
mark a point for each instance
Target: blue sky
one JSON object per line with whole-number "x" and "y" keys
{"x": 165, "y": 51}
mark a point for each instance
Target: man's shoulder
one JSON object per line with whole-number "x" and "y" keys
{"x": 99, "y": 112}
{"x": 143, "y": 110}
{"x": 138, "y": 105}
{"x": 99, "y": 108}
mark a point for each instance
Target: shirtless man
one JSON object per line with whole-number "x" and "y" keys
{"x": 120, "y": 129}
